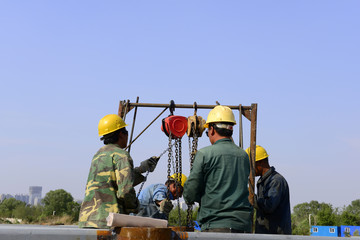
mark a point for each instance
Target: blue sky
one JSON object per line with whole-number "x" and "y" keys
{"x": 66, "y": 64}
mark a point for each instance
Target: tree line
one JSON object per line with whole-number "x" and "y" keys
{"x": 59, "y": 207}
{"x": 323, "y": 214}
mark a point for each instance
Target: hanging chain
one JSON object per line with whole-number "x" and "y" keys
{"x": 169, "y": 164}
{"x": 180, "y": 176}
{"x": 192, "y": 150}
{"x": 147, "y": 172}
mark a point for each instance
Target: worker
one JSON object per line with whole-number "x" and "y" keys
{"x": 112, "y": 177}
{"x": 272, "y": 201}
{"x": 155, "y": 200}
{"x": 219, "y": 177}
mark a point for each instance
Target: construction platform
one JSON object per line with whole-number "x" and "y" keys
{"x": 67, "y": 232}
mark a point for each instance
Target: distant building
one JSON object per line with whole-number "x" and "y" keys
{"x": 350, "y": 231}
{"x": 35, "y": 195}
{"x": 22, "y": 197}
{"x": 5, "y": 196}
{"x": 335, "y": 231}
{"x": 325, "y": 231}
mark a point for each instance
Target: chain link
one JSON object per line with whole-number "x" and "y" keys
{"x": 192, "y": 151}
{"x": 169, "y": 164}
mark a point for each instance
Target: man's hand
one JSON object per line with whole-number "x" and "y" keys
{"x": 149, "y": 164}
{"x": 166, "y": 206}
{"x": 131, "y": 203}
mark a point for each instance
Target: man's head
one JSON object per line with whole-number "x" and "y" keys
{"x": 220, "y": 122}
{"x": 112, "y": 129}
{"x": 176, "y": 185}
{"x": 261, "y": 160}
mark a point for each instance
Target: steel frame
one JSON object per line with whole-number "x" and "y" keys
{"x": 249, "y": 112}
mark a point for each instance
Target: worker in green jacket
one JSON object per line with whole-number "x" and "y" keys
{"x": 219, "y": 177}
{"x": 112, "y": 176}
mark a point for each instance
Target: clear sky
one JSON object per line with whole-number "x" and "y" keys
{"x": 66, "y": 64}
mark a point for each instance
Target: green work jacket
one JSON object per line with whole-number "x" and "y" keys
{"x": 109, "y": 187}
{"x": 218, "y": 182}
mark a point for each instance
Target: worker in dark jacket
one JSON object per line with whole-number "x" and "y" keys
{"x": 272, "y": 201}
{"x": 219, "y": 177}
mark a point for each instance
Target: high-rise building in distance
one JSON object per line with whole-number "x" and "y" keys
{"x": 35, "y": 195}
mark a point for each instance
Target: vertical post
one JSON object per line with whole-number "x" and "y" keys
{"x": 241, "y": 143}
{"x": 133, "y": 124}
{"x": 253, "y": 118}
{"x": 127, "y": 109}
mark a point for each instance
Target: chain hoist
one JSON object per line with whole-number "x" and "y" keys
{"x": 169, "y": 165}
{"x": 147, "y": 172}
{"x": 192, "y": 150}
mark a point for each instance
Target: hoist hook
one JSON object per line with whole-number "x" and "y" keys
{"x": 172, "y": 107}
{"x": 195, "y": 107}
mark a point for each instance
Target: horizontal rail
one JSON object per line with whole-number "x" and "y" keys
{"x": 160, "y": 105}
{"x": 32, "y": 232}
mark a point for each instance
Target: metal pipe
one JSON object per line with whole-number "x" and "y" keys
{"x": 133, "y": 125}
{"x": 145, "y": 128}
{"x": 253, "y": 118}
{"x": 241, "y": 142}
{"x": 160, "y": 105}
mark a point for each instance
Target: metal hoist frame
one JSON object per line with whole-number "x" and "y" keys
{"x": 177, "y": 165}
{"x": 249, "y": 112}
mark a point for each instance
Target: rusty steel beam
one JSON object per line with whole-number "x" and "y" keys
{"x": 160, "y": 105}
{"x": 252, "y": 154}
{"x": 133, "y": 125}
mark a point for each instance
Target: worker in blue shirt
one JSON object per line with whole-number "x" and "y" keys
{"x": 155, "y": 199}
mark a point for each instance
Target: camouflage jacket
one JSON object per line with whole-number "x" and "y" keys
{"x": 109, "y": 187}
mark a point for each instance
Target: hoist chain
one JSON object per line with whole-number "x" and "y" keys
{"x": 180, "y": 176}
{"x": 177, "y": 170}
{"x": 169, "y": 165}
{"x": 193, "y": 150}
{"x": 147, "y": 172}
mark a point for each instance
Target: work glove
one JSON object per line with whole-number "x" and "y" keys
{"x": 131, "y": 203}
{"x": 148, "y": 165}
{"x": 166, "y": 206}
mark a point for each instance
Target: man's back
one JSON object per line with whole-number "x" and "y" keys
{"x": 218, "y": 181}
{"x": 273, "y": 215}
{"x": 110, "y": 178}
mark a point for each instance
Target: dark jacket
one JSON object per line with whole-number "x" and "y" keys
{"x": 218, "y": 182}
{"x": 273, "y": 214}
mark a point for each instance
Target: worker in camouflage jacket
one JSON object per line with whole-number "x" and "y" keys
{"x": 112, "y": 176}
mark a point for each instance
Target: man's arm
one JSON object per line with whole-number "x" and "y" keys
{"x": 125, "y": 180}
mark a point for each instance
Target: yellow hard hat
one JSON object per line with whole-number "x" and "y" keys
{"x": 176, "y": 177}
{"x": 110, "y": 123}
{"x": 260, "y": 153}
{"x": 220, "y": 114}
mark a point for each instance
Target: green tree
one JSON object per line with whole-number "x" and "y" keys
{"x": 174, "y": 217}
{"x": 348, "y": 218}
{"x": 354, "y": 207}
{"x": 8, "y": 206}
{"x": 59, "y": 202}
{"x": 326, "y": 216}
{"x": 320, "y": 214}
{"x": 28, "y": 213}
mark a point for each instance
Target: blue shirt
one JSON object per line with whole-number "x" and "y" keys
{"x": 148, "y": 198}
